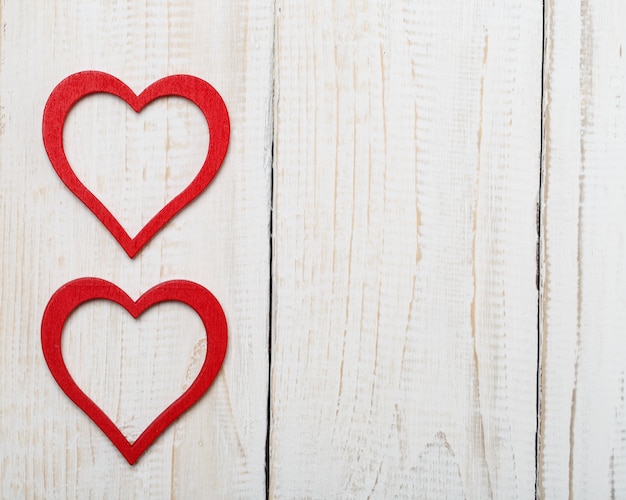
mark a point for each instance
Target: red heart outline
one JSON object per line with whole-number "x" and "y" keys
{"x": 79, "y": 85}
{"x": 75, "y": 293}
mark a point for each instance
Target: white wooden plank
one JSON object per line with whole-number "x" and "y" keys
{"x": 583, "y": 430}
{"x": 50, "y": 449}
{"x": 404, "y": 275}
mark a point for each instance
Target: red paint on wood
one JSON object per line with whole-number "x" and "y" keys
{"x": 79, "y": 85}
{"x": 75, "y": 293}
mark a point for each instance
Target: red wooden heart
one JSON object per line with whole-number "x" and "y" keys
{"x": 75, "y": 293}
{"x": 73, "y": 88}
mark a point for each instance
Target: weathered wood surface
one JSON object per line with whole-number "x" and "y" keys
{"x": 406, "y": 180}
{"x": 50, "y": 449}
{"x": 583, "y": 417}
{"x": 403, "y": 142}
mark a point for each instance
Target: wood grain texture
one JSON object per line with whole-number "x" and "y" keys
{"x": 404, "y": 342}
{"x": 583, "y": 417}
{"x": 49, "y": 448}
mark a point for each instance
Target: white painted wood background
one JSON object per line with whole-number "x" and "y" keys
{"x": 583, "y": 293}
{"x": 417, "y": 238}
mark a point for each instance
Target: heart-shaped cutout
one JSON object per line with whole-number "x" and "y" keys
{"x": 75, "y": 293}
{"x": 79, "y": 85}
